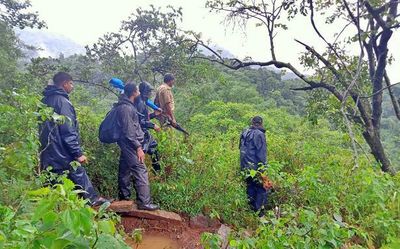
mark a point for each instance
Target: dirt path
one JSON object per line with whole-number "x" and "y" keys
{"x": 154, "y": 241}
{"x": 165, "y": 234}
{"x": 162, "y": 229}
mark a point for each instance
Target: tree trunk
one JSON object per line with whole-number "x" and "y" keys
{"x": 373, "y": 139}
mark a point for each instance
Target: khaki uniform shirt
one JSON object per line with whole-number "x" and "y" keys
{"x": 164, "y": 97}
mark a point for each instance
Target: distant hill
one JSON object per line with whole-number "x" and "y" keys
{"x": 220, "y": 50}
{"x": 289, "y": 76}
{"x": 48, "y": 44}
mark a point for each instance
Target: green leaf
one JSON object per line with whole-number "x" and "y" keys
{"x": 60, "y": 243}
{"x": 137, "y": 235}
{"x": 46, "y": 240}
{"x": 24, "y": 229}
{"x": 106, "y": 226}
{"x": 39, "y": 192}
{"x": 59, "y": 119}
{"x": 70, "y": 219}
{"x": 86, "y": 220}
{"x": 49, "y": 220}
{"x": 253, "y": 173}
{"x": 45, "y": 205}
{"x": 75, "y": 165}
{"x": 103, "y": 209}
{"x": 107, "y": 241}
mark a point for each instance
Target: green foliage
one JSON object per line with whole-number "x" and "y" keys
{"x": 103, "y": 158}
{"x": 44, "y": 217}
{"x": 210, "y": 241}
{"x": 147, "y": 43}
{"x": 8, "y": 55}
{"x": 19, "y": 116}
{"x": 198, "y": 177}
{"x": 319, "y": 200}
{"x": 57, "y": 218}
{"x": 317, "y": 208}
{"x": 14, "y": 14}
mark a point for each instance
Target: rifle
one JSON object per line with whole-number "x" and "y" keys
{"x": 177, "y": 126}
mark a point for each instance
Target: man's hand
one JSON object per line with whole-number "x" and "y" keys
{"x": 173, "y": 122}
{"x": 157, "y": 128}
{"x": 140, "y": 154}
{"x": 82, "y": 159}
{"x": 158, "y": 112}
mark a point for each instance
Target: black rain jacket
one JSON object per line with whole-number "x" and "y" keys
{"x": 128, "y": 121}
{"x": 253, "y": 148}
{"x": 144, "y": 118}
{"x": 60, "y": 144}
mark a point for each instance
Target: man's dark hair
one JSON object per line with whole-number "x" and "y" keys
{"x": 168, "y": 77}
{"x": 129, "y": 89}
{"x": 257, "y": 120}
{"x": 61, "y": 77}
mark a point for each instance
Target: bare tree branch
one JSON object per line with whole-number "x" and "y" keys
{"x": 236, "y": 64}
{"x": 323, "y": 60}
{"x": 96, "y": 84}
{"x": 395, "y": 103}
{"x": 321, "y": 36}
{"x": 379, "y": 91}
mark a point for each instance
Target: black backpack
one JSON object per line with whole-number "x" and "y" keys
{"x": 109, "y": 130}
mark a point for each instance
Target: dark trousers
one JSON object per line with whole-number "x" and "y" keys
{"x": 155, "y": 160}
{"x": 130, "y": 167}
{"x": 150, "y": 148}
{"x": 257, "y": 194}
{"x": 82, "y": 181}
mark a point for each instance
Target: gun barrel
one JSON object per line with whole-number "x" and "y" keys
{"x": 179, "y": 128}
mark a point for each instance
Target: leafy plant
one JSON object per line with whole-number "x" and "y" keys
{"x": 57, "y": 218}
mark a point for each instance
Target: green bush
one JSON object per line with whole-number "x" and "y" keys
{"x": 57, "y": 218}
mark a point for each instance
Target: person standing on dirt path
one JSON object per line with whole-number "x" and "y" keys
{"x": 253, "y": 154}
{"x": 132, "y": 157}
{"x": 165, "y": 100}
{"x": 60, "y": 143}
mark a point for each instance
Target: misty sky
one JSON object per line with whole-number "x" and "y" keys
{"x": 84, "y": 21}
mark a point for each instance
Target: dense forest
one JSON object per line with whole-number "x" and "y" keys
{"x": 332, "y": 187}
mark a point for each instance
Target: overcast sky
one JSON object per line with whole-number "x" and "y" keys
{"x": 84, "y": 21}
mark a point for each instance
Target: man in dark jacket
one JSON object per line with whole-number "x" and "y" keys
{"x": 149, "y": 144}
{"x": 60, "y": 143}
{"x": 253, "y": 154}
{"x": 132, "y": 156}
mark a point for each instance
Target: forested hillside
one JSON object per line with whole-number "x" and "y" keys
{"x": 326, "y": 193}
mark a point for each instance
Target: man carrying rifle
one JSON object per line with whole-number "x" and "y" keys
{"x": 165, "y": 100}
{"x": 149, "y": 144}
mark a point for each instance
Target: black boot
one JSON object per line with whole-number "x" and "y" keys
{"x": 144, "y": 199}
{"x": 124, "y": 198}
{"x": 149, "y": 207}
{"x": 99, "y": 201}
{"x": 155, "y": 161}
{"x": 156, "y": 167}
